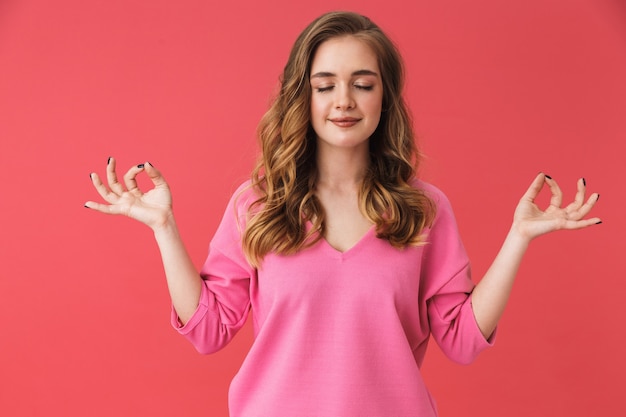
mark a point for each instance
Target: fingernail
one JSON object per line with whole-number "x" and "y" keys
{"x": 86, "y": 206}
{"x": 140, "y": 166}
{"x": 584, "y": 182}
{"x": 600, "y": 222}
{"x": 149, "y": 163}
{"x": 90, "y": 175}
{"x": 547, "y": 176}
{"x": 597, "y": 198}
{"x": 109, "y": 160}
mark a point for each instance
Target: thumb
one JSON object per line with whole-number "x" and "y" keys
{"x": 154, "y": 174}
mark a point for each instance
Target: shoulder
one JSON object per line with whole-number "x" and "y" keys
{"x": 437, "y": 196}
{"x": 239, "y": 204}
{"x": 235, "y": 216}
{"x": 444, "y": 218}
{"x": 245, "y": 202}
{"x": 244, "y": 196}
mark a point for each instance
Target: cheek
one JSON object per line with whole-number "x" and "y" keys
{"x": 317, "y": 109}
{"x": 379, "y": 103}
{"x": 315, "y": 116}
{"x": 375, "y": 107}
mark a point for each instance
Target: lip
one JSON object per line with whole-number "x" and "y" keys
{"x": 345, "y": 121}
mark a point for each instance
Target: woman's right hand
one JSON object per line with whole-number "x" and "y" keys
{"x": 153, "y": 208}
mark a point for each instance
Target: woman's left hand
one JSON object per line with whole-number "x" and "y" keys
{"x": 530, "y": 221}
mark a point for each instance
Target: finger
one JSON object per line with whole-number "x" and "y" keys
{"x": 154, "y": 174}
{"x": 580, "y": 224}
{"x": 557, "y": 195}
{"x": 130, "y": 179}
{"x": 114, "y": 184}
{"x": 586, "y": 208}
{"x": 580, "y": 193}
{"x": 105, "y": 193}
{"x": 580, "y": 212}
{"x": 103, "y": 208}
{"x": 579, "y": 198}
{"x": 535, "y": 188}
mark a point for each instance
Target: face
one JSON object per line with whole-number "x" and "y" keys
{"x": 347, "y": 93}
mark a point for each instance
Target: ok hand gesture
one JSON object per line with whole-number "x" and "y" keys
{"x": 153, "y": 208}
{"x": 530, "y": 221}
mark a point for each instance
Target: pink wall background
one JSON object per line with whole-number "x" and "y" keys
{"x": 499, "y": 90}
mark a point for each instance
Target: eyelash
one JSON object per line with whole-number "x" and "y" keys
{"x": 360, "y": 87}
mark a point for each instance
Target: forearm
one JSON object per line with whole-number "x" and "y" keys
{"x": 491, "y": 295}
{"x": 183, "y": 280}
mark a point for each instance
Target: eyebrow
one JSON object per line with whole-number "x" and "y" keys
{"x": 325, "y": 74}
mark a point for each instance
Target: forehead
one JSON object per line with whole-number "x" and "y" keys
{"x": 345, "y": 53}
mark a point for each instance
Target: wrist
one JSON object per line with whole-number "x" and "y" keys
{"x": 166, "y": 226}
{"x": 517, "y": 235}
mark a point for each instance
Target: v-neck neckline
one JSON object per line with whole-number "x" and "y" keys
{"x": 352, "y": 249}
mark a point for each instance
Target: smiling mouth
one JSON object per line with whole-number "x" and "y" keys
{"x": 345, "y": 121}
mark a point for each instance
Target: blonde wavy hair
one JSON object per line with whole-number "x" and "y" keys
{"x": 285, "y": 175}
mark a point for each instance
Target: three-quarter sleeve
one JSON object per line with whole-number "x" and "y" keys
{"x": 225, "y": 298}
{"x": 447, "y": 285}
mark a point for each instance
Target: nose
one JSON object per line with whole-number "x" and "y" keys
{"x": 343, "y": 98}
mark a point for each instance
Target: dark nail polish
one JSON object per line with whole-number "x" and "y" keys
{"x": 90, "y": 175}
{"x": 86, "y": 206}
{"x": 598, "y": 197}
{"x": 150, "y": 164}
{"x": 584, "y": 182}
{"x": 547, "y": 176}
{"x": 109, "y": 160}
{"x": 140, "y": 166}
{"x": 600, "y": 222}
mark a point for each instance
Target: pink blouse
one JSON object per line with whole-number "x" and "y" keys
{"x": 339, "y": 334}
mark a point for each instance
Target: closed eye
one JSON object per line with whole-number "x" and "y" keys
{"x": 324, "y": 89}
{"x": 357, "y": 86}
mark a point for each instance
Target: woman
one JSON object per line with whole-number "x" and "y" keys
{"x": 348, "y": 262}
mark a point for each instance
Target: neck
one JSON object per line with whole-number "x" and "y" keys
{"x": 340, "y": 168}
